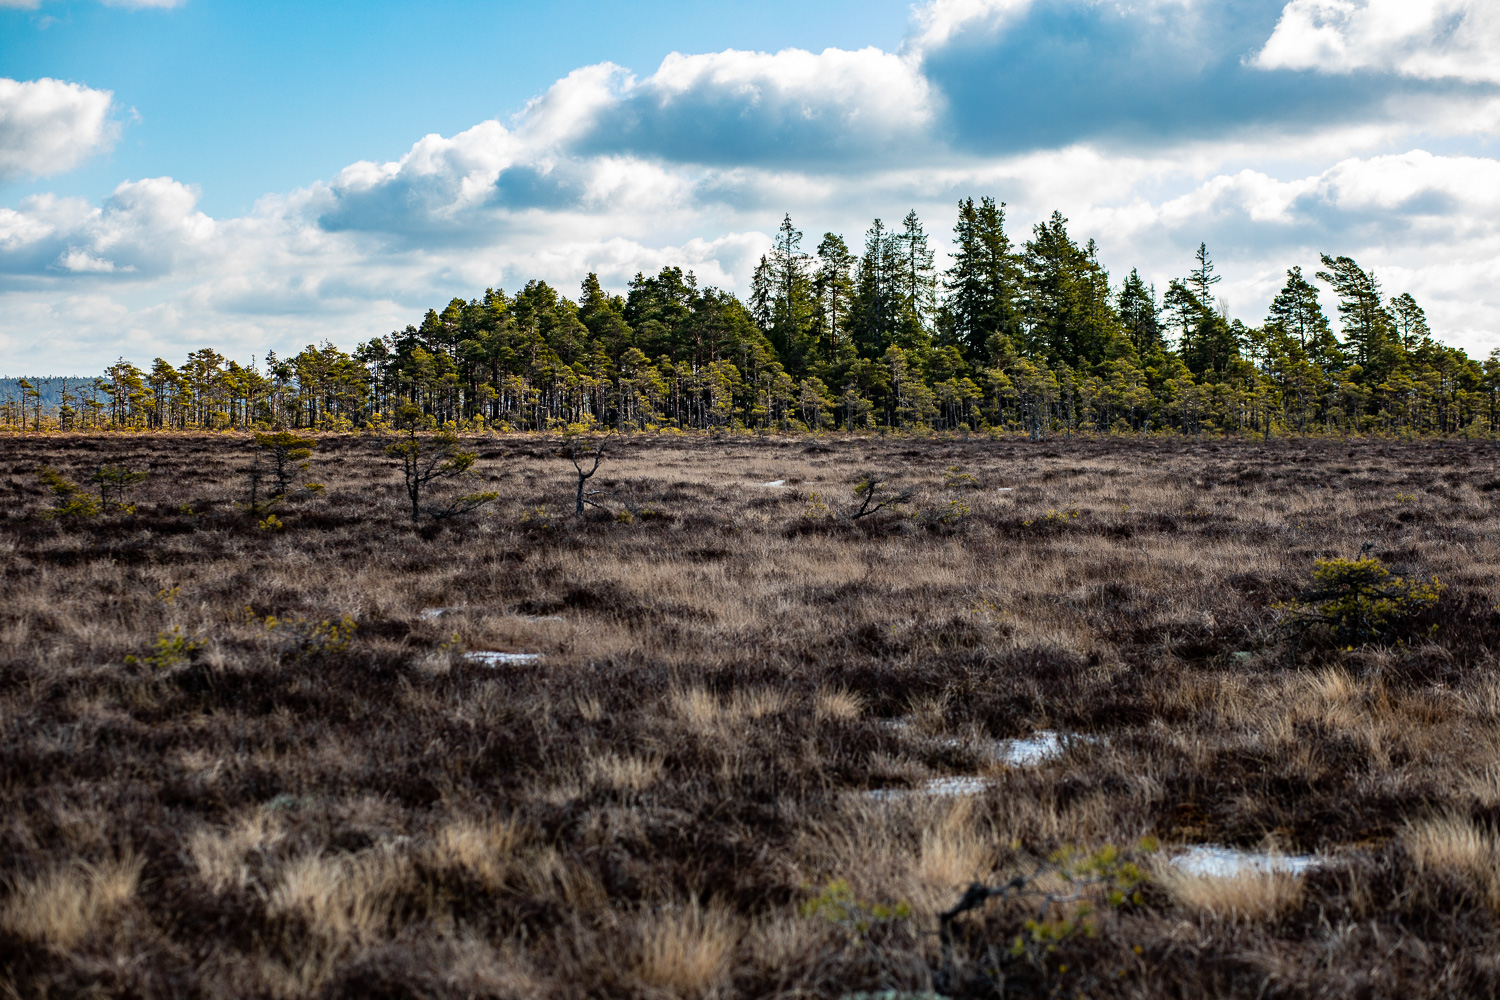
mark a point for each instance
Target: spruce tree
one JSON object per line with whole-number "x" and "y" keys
{"x": 834, "y": 290}
{"x": 875, "y": 310}
{"x": 916, "y": 286}
{"x": 1140, "y": 316}
{"x": 983, "y": 282}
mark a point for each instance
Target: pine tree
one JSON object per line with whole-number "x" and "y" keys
{"x": 1409, "y": 321}
{"x": 1296, "y": 313}
{"x": 1203, "y": 279}
{"x": 1366, "y": 325}
{"x": 876, "y": 305}
{"x": 1207, "y": 341}
{"x": 1068, "y": 315}
{"x": 792, "y": 303}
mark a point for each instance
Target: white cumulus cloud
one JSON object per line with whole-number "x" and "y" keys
{"x": 1426, "y": 39}
{"x": 48, "y": 126}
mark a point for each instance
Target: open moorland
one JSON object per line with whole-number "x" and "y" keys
{"x": 763, "y": 743}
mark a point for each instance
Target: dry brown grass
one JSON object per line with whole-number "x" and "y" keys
{"x": 1457, "y": 846}
{"x": 340, "y": 898}
{"x": 63, "y": 906}
{"x": 1247, "y": 897}
{"x": 482, "y": 848}
{"x": 839, "y": 703}
{"x": 738, "y": 708}
{"x": 686, "y": 950}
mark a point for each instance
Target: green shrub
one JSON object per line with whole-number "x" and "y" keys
{"x": 1361, "y": 602}
{"x": 115, "y": 483}
{"x": 170, "y": 649}
{"x": 303, "y": 639}
{"x": 838, "y": 904}
{"x": 70, "y": 499}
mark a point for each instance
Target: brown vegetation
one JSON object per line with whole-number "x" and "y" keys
{"x": 212, "y": 786}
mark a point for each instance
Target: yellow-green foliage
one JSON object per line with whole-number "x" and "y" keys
{"x": 817, "y": 507}
{"x": 170, "y": 649}
{"x": 71, "y": 499}
{"x": 117, "y": 480}
{"x": 303, "y": 638}
{"x": 957, "y": 478}
{"x": 288, "y": 452}
{"x": 271, "y": 523}
{"x": 1100, "y": 876}
{"x": 954, "y": 511}
{"x": 1361, "y": 602}
{"x": 1053, "y": 519}
{"x": 838, "y": 904}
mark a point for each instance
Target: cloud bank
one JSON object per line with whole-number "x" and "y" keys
{"x": 1271, "y": 130}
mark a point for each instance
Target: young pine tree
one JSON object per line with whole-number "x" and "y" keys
{"x": 431, "y": 458}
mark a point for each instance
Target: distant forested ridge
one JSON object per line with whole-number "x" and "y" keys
{"x": 1034, "y": 338}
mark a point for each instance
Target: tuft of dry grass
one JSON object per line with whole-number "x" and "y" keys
{"x": 1455, "y": 845}
{"x": 63, "y": 906}
{"x": 705, "y": 711}
{"x": 341, "y": 899}
{"x": 628, "y": 773}
{"x": 482, "y": 848}
{"x": 839, "y": 703}
{"x": 955, "y": 851}
{"x": 686, "y": 950}
{"x": 1249, "y": 897}
{"x": 223, "y": 860}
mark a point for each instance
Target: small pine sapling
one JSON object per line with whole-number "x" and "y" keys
{"x": 874, "y": 495}
{"x": 288, "y": 454}
{"x": 70, "y": 499}
{"x": 1360, "y": 601}
{"x": 115, "y": 483}
{"x": 427, "y": 459}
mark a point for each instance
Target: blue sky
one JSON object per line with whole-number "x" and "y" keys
{"x": 254, "y": 175}
{"x": 244, "y": 97}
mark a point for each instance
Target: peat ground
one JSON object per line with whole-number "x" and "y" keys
{"x": 211, "y": 787}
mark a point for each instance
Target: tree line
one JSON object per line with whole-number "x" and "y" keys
{"x": 1034, "y": 338}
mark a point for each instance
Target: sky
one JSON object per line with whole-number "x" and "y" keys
{"x": 176, "y": 174}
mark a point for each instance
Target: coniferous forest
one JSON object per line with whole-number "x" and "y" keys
{"x": 1035, "y": 338}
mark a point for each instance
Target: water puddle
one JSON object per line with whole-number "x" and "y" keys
{"x": 1025, "y": 751}
{"x": 433, "y": 613}
{"x": 493, "y": 658}
{"x": 954, "y": 786}
{"x": 1028, "y": 751}
{"x": 1214, "y": 861}
{"x": 1032, "y": 750}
